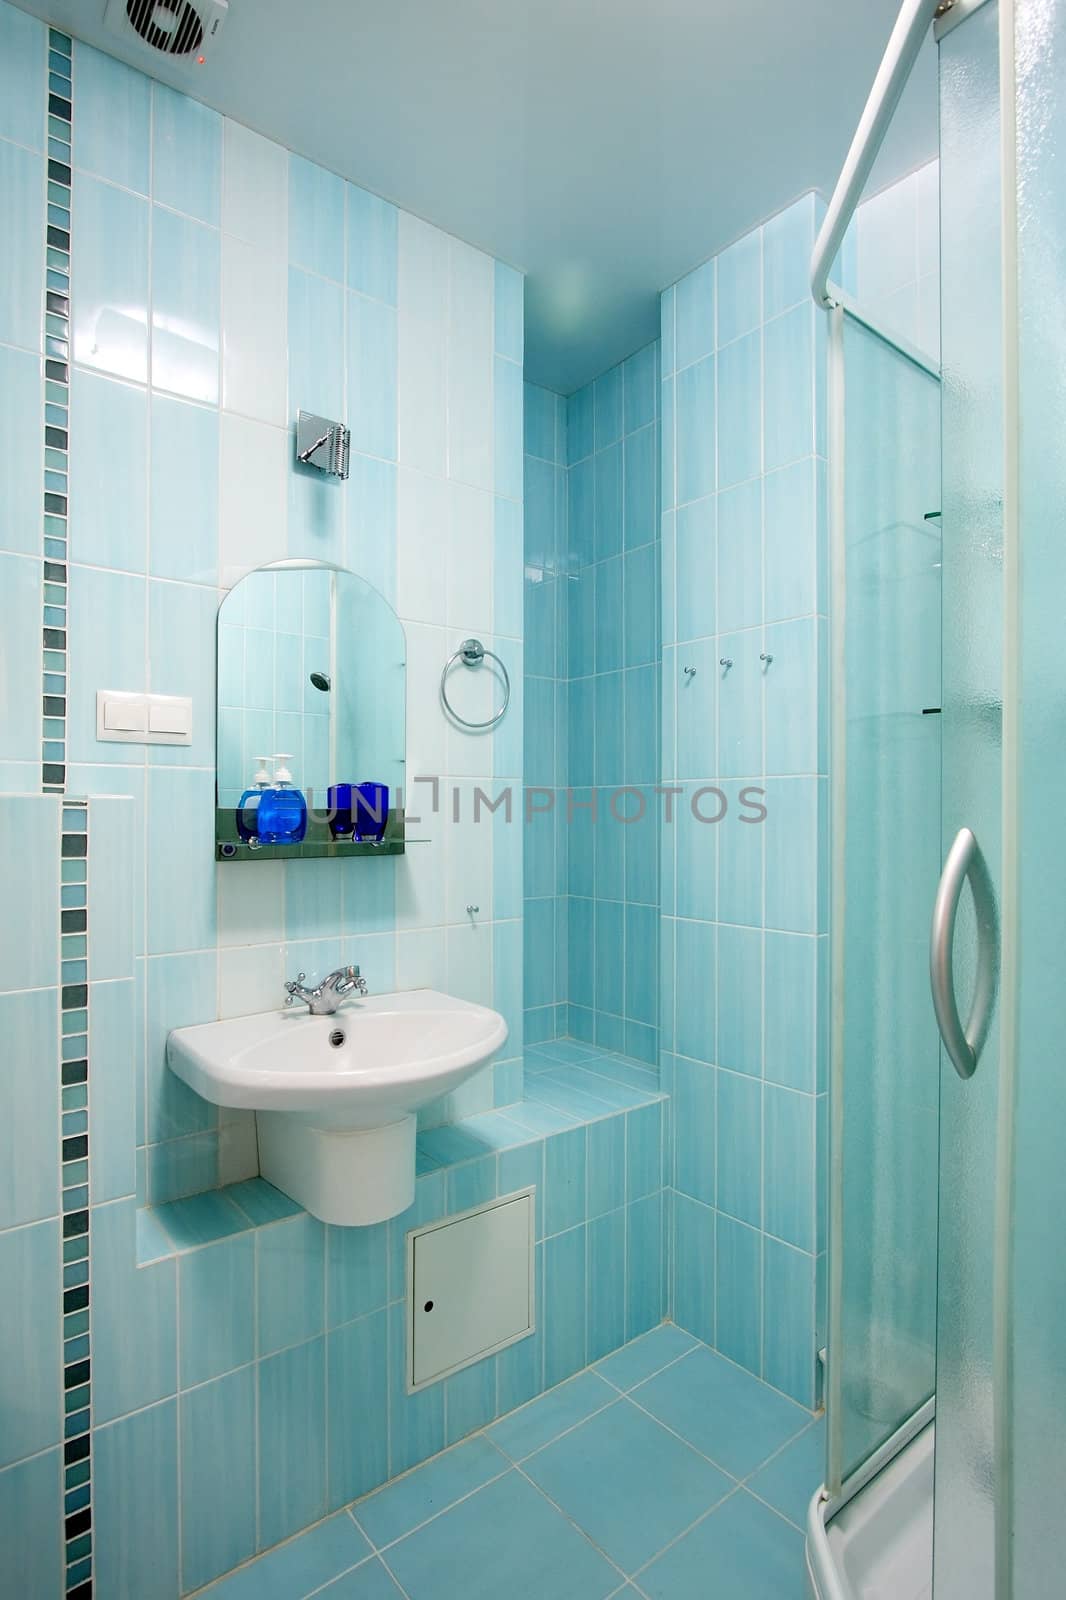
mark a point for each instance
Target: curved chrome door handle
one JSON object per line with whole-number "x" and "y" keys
{"x": 963, "y": 1043}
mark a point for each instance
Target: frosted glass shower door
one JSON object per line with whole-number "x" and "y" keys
{"x": 886, "y": 826}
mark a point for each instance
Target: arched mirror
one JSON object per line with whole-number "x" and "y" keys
{"x": 311, "y": 702}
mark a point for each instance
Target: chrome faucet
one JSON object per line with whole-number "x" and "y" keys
{"x": 323, "y": 1000}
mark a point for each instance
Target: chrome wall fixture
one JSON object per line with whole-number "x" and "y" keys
{"x": 472, "y": 653}
{"x": 322, "y": 444}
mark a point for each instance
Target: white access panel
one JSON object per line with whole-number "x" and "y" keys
{"x": 470, "y": 1287}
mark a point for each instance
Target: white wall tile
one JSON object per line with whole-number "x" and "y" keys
{"x": 421, "y": 546}
{"x": 470, "y": 558}
{"x": 255, "y": 189}
{"x": 253, "y": 467}
{"x": 470, "y": 365}
{"x": 250, "y": 979}
{"x": 255, "y": 298}
{"x": 422, "y": 345}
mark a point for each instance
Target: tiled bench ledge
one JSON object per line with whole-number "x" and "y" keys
{"x": 588, "y": 1134}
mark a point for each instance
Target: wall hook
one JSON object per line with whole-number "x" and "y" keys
{"x": 726, "y": 662}
{"x": 765, "y": 659}
{"x": 472, "y": 911}
{"x": 690, "y": 672}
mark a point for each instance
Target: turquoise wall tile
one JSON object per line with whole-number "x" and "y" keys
{"x": 788, "y": 240}
{"x": 740, "y": 999}
{"x": 640, "y": 388}
{"x": 22, "y": 206}
{"x": 113, "y": 112}
{"x": 606, "y": 1165}
{"x": 667, "y": 324}
{"x": 507, "y": 407}
{"x": 738, "y": 1273}
{"x": 218, "y": 1477}
{"x": 109, "y": 314}
{"x": 693, "y": 1117}
{"x": 182, "y": 629}
{"x": 372, "y": 245}
{"x": 29, "y": 1090}
{"x": 508, "y": 312}
{"x": 640, "y": 486}
{"x": 644, "y": 1146}
{"x": 740, "y": 865}
{"x": 740, "y": 287}
{"x": 606, "y": 1283}
{"x": 29, "y": 874}
{"x": 641, "y": 604}
{"x": 470, "y": 1184}
{"x": 113, "y": 1021}
{"x": 292, "y": 1456}
{"x": 580, "y": 425}
{"x": 609, "y": 970}
{"x": 789, "y": 1334}
{"x": 607, "y": 611}
{"x": 740, "y": 1147}
{"x": 469, "y": 1400}
{"x": 694, "y": 1270}
{"x": 356, "y": 1272}
{"x": 30, "y": 1343}
{"x": 181, "y": 913}
{"x": 791, "y": 531}
{"x": 31, "y": 1501}
{"x": 520, "y": 1368}
{"x": 180, "y": 990}
{"x": 740, "y": 558}
{"x": 357, "y": 1456}
{"x": 607, "y": 407}
{"x": 564, "y": 1181}
{"x": 696, "y": 583}
{"x": 607, "y": 516}
{"x": 538, "y": 427}
{"x": 186, "y": 155}
{"x": 788, "y": 404}
{"x": 791, "y": 992}
{"x": 290, "y": 1273}
{"x": 641, "y": 964}
{"x": 739, "y": 410}
{"x": 217, "y": 1290}
{"x": 695, "y": 992}
{"x": 696, "y": 739}
{"x": 564, "y": 1312}
{"x": 791, "y": 705}
{"x": 316, "y": 354}
{"x": 135, "y": 1504}
{"x": 416, "y": 1421}
{"x": 316, "y": 218}
{"x": 740, "y": 706}
{"x": 372, "y": 376}
{"x": 20, "y": 624}
{"x": 694, "y": 312}
{"x": 788, "y": 1183}
{"x": 134, "y": 1319}
{"x": 23, "y": 52}
{"x": 791, "y": 830}
{"x": 644, "y": 1264}
{"x": 20, "y": 422}
{"x": 507, "y": 567}
{"x": 108, "y": 523}
{"x": 186, "y": 277}
{"x": 694, "y": 425}
{"x": 183, "y": 504}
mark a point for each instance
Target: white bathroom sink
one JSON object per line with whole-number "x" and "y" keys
{"x": 336, "y": 1097}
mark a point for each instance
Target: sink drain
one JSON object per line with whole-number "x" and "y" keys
{"x": 336, "y": 1038}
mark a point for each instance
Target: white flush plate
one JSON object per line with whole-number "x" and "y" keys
{"x": 123, "y": 718}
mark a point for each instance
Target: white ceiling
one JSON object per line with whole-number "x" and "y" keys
{"x": 603, "y": 146}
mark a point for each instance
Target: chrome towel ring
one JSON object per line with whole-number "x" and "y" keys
{"x": 472, "y": 653}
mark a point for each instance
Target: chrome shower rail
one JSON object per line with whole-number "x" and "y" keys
{"x": 907, "y": 38}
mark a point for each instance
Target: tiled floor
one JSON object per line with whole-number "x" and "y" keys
{"x": 664, "y": 1472}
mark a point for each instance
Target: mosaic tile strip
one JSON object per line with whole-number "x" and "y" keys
{"x": 74, "y": 1146}
{"x": 56, "y": 346}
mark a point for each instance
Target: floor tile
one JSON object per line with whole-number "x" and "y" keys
{"x": 732, "y": 1417}
{"x": 299, "y": 1567}
{"x": 545, "y": 1418}
{"x": 790, "y": 1478}
{"x": 390, "y": 1512}
{"x": 742, "y": 1550}
{"x": 504, "y": 1541}
{"x": 368, "y": 1582}
{"x": 631, "y": 1485}
{"x": 642, "y": 1358}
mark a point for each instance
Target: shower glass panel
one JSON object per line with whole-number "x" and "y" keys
{"x": 887, "y": 824}
{"x": 972, "y": 340}
{"x": 1036, "y": 1437}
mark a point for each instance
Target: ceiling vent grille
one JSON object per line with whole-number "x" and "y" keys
{"x": 177, "y": 29}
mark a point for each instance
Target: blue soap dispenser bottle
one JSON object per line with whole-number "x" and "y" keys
{"x": 282, "y": 809}
{"x": 248, "y": 807}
